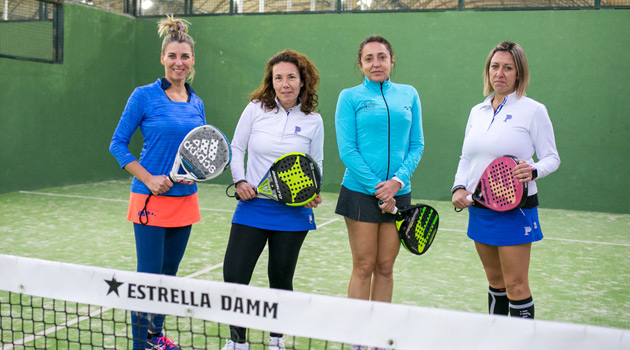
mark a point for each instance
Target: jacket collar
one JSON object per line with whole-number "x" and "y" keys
{"x": 511, "y": 98}
{"x": 165, "y": 84}
{"x": 373, "y": 85}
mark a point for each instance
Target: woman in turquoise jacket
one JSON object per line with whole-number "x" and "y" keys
{"x": 379, "y": 135}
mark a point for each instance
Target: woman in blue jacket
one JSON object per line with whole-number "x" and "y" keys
{"x": 162, "y": 212}
{"x": 379, "y": 135}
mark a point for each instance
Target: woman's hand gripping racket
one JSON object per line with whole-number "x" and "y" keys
{"x": 293, "y": 179}
{"x": 203, "y": 155}
{"x": 498, "y": 189}
{"x": 417, "y": 226}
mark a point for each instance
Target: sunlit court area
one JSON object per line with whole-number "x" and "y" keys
{"x": 68, "y": 255}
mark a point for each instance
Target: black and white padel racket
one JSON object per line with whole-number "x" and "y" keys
{"x": 203, "y": 155}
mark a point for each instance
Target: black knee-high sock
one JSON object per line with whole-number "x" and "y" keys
{"x": 498, "y": 303}
{"x": 522, "y": 308}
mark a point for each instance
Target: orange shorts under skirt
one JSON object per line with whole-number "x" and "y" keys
{"x": 164, "y": 211}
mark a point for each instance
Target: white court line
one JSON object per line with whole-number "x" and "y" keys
{"x": 589, "y": 242}
{"x": 207, "y": 269}
{"x": 101, "y": 199}
{"x": 102, "y": 310}
{"x": 557, "y": 239}
{"x": 74, "y": 196}
{"x": 328, "y": 222}
{"x": 321, "y": 225}
{"x": 56, "y": 328}
{"x": 53, "y": 329}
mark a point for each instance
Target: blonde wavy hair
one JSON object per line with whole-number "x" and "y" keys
{"x": 175, "y": 30}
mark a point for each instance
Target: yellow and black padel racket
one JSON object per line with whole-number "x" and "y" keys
{"x": 417, "y": 227}
{"x": 294, "y": 179}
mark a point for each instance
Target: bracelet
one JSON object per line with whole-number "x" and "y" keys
{"x": 238, "y": 182}
{"x": 458, "y": 187}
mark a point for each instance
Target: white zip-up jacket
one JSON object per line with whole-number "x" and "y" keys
{"x": 267, "y": 135}
{"x": 520, "y": 128}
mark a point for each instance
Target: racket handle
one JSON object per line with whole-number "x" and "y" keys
{"x": 469, "y": 198}
{"x": 380, "y": 203}
{"x": 239, "y": 198}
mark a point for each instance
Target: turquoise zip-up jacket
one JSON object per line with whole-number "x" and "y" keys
{"x": 379, "y": 134}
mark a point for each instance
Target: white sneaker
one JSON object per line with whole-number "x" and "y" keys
{"x": 276, "y": 343}
{"x": 357, "y": 347}
{"x": 230, "y": 345}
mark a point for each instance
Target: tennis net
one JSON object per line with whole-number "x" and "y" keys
{"x": 53, "y": 305}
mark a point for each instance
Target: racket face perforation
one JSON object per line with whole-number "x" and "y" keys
{"x": 295, "y": 179}
{"x": 205, "y": 153}
{"x": 500, "y": 190}
{"x": 417, "y": 227}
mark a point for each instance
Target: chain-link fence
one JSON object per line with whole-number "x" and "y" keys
{"x": 28, "y": 27}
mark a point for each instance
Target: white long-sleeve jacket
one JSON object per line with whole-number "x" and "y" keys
{"x": 520, "y": 128}
{"x": 267, "y": 135}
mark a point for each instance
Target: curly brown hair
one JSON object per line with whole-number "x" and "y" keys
{"x": 309, "y": 76}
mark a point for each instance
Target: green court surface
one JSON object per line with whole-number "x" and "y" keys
{"x": 580, "y": 272}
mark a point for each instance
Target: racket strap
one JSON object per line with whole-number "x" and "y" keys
{"x": 144, "y": 211}
{"x": 227, "y": 190}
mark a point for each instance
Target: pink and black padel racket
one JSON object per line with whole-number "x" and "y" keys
{"x": 498, "y": 189}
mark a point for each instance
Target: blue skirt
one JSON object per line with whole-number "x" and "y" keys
{"x": 513, "y": 227}
{"x": 271, "y": 215}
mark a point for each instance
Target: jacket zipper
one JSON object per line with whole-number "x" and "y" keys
{"x": 388, "y": 130}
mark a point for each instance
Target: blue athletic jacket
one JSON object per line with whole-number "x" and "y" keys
{"x": 164, "y": 124}
{"x": 379, "y": 134}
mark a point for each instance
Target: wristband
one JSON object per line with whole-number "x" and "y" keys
{"x": 534, "y": 173}
{"x": 458, "y": 187}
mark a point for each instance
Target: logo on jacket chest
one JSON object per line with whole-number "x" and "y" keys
{"x": 368, "y": 106}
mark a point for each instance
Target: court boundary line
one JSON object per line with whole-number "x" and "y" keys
{"x": 320, "y": 225}
{"x": 91, "y": 314}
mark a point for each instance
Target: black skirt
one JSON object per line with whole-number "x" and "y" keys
{"x": 364, "y": 207}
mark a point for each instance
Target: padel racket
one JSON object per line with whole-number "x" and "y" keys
{"x": 203, "y": 155}
{"x": 498, "y": 189}
{"x": 417, "y": 227}
{"x": 293, "y": 179}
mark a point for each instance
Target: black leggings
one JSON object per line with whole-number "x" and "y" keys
{"x": 244, "y": 248}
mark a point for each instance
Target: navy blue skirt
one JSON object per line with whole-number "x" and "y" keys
{"x": 513, "y": 227}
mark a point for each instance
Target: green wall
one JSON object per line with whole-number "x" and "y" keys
{"x": 57, "y": 118}
{"x": 578, "y": 62}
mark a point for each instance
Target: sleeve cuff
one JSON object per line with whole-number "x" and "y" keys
{"x": 458, "y": 187}
{"x": 402, "y": 184}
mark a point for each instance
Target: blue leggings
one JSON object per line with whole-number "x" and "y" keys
{"x": 159, "y": 250}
